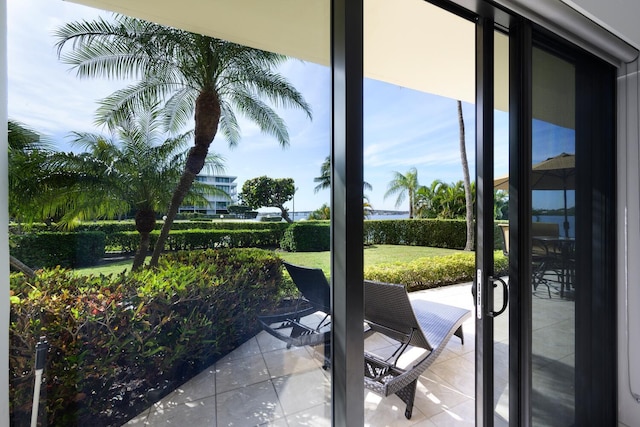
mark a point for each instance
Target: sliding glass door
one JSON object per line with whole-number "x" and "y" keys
{"x": 546, "y": 347}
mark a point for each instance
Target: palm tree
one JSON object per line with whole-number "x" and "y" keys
{"x": 404, "y": 185}
{"x": 322, "y": 213}
{"x": 324, "y": 180}
{"x": 428, "y": 199}
{"x": 467, "y": 182}
{"x": 136, "y": 172}
{"x": 452, "y": 201}
{"x": 27, "y": 193}
{"x": 501, "y": 204}
{"x": 367, "y": 208}
{"x": 198, "y": 76}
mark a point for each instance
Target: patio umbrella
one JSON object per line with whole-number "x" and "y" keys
{"x": 554, "y": 173}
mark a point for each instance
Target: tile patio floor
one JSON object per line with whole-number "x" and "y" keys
{"x": 262, "y": 383}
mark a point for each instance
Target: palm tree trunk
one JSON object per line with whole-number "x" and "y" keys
{"x": 467, "y": 182}
{"x": 145, "y": 223}
{"x": 207, "y": 118}
{"x": 411, "y": 197}
{"x": 141, "y": 254}
{"x": 20, "y": 266}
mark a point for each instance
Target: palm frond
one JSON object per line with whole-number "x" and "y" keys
{"x": 263, "y": 115}
{"x": 120, "y": 105}
{"x": 178, "y": 110}
{"x": 229, "y": 125}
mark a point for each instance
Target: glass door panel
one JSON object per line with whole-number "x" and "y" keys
{"x": 553, "y": 239}
{"x": 501, "y": 227}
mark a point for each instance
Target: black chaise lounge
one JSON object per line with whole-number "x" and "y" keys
{"x": 309, "y": 323}
{"x": 389, "y": 310}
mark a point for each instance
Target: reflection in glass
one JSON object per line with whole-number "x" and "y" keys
{"x": 501, "y": 168}
{"x": 553, "y": 240}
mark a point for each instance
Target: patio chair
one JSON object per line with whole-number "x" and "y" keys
{"x": 541, "y": 259}
{"x": 309, "y": 323}
{"x": 428, "y": 325}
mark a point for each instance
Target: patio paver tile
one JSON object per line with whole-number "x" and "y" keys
{"x": 252, "y": 405}
{"x": 198, "y": 413}
{"x": 302, "y": 391}
{"x": 458, "y": 416}
{"x": 388, "y": 411}
{"x": 289, "y": 361}
{"x": 434, "y": 395}
{"x": 317, "y": 416}
{"x": 199, "y": 387}
{"x": 232, "y": 374}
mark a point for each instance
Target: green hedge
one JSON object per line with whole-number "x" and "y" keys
{"x": 416, "y": 232}
{"x": 198, "y": 239}
{"x": 432, "y": 272}
{"x": 307, "y": 236}
{"x": 114, "y": 338}
{"x": 109, "y": 227}
{"x": 64, "y": 249}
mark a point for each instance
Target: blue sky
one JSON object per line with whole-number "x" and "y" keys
{"x": 403, "y": 128}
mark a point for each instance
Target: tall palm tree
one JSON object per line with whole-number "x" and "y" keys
{"x": 198, "y": 76}
{"x": 135, "y": 172}
{"x": 324, "y": 180}
{"x": 467, "y": 182}
{"x": 404, "y": 186}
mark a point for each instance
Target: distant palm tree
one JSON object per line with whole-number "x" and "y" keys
{"x": 136, "y": 172}
{"x": 367, "y": 208}
{"x": 404, "y": 186}
{"x": 324, "y": 180}
{"x": 322, "y": 213}
{"x": 428, "y": 199}
{"x": 501, "y": 204}
{"x": 467, "y": 183}
{"x": 195, "y": 73}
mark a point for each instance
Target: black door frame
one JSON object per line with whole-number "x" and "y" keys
{"x": 596, "y": 360}
{"x": 599, "y": 308}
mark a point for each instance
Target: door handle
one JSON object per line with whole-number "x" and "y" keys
{"x": 505, "y": 295}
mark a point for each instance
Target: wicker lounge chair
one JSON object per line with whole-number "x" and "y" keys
{"x": 309, "y": 323}
{"x": 389, "y": 310}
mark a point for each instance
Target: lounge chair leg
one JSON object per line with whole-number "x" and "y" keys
{"x": 408, "y": 395}
{"x": 459, "y": 334}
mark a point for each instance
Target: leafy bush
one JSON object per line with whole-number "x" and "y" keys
{"x": 64, "y": 249}
{"x": 432, "y": 272}
{"x": 114, "y": 338}
{"x": 307, "y": 236}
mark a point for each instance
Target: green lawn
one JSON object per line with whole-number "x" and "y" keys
{"x": 376, "y": 254}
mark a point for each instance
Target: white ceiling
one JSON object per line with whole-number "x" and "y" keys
{"x": 417, "y": 45}
{"x": 410, "y": 43}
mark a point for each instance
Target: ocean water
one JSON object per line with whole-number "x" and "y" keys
{"x": 301, "y": 216}
{"x": 558, "y": 219}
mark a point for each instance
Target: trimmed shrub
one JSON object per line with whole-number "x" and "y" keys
{"x": 307, "y": 236}
{"x": 439, "y": 233}
{"x": 199, "y": 239}
{"x": 64, "y": 249}
{"x": 432, "y": 272}
{"x": 115, "y": 338}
